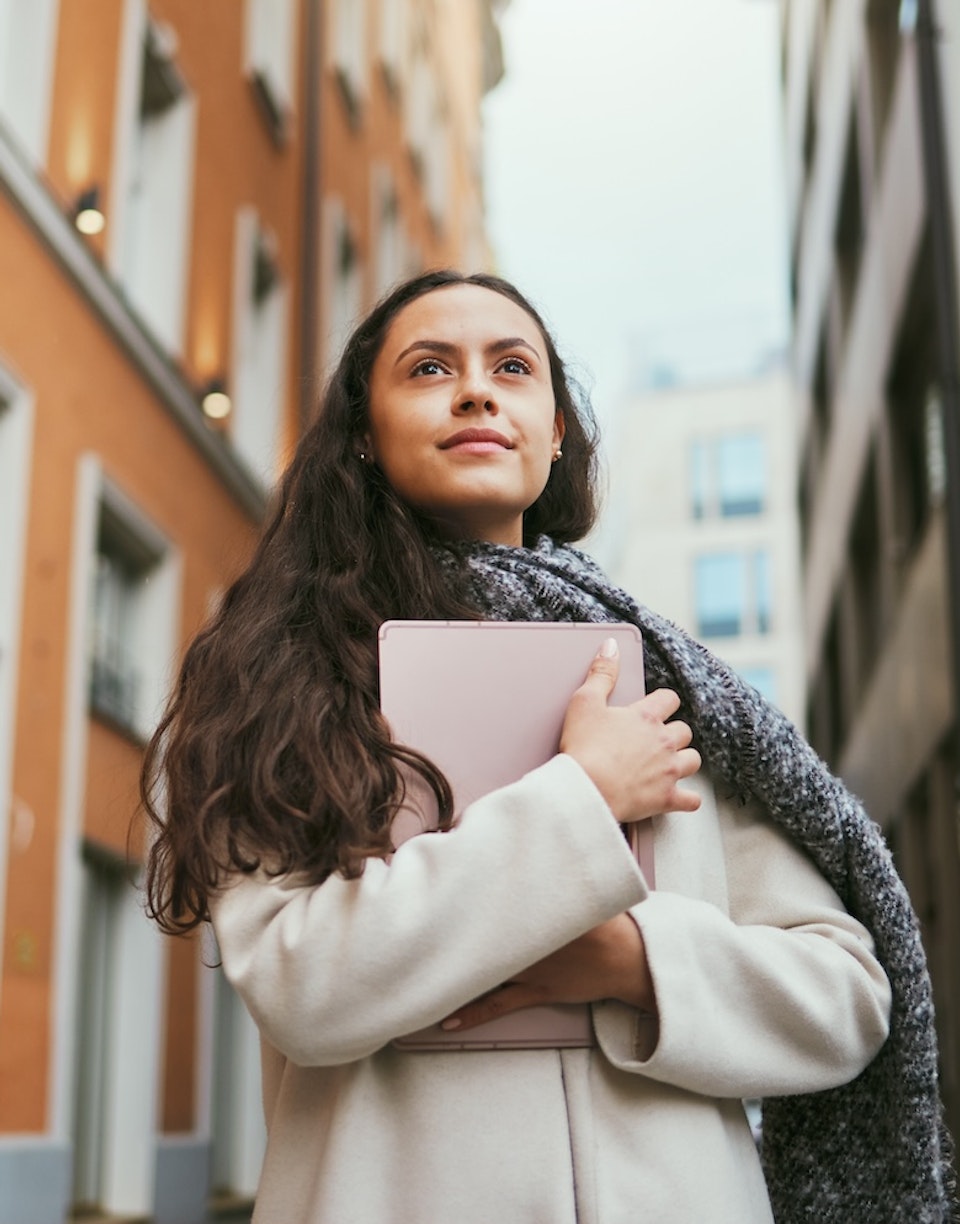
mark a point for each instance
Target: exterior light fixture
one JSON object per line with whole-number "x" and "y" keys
{"x": 215, "y": 400}
{"x": 87, "y": 215}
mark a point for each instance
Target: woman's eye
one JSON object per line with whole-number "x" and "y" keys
{"x": 429, "y": 365}
{"x": 514, "y": 365}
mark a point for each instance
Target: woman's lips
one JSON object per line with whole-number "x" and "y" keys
{"x": 477, "y": 442}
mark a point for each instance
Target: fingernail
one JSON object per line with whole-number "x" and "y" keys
{"x": 452, "y": 1023}
{"x": 609, "y": 648}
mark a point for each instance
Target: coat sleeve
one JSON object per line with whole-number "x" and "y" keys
{"x": 332, "y": 972}
{"x": 780, "y": 995}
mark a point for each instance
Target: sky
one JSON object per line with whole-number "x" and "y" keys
{"x": 634, "y": 184}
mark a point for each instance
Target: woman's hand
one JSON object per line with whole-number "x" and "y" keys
{"x": 634, "y": 757}
{"x": 608, "y": 962}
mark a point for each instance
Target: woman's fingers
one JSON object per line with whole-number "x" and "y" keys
{"x": 661, "y": 704}
{"x": 601, "y": 676}
{"x": 634, "y": 754}
{"x": 514, "y": 996}
{"x": 607, "y": 962}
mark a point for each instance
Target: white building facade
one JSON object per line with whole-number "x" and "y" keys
{"x": 703, "y": 524}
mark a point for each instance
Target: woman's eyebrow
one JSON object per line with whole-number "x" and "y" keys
{"x": 500, "y": 346}
{"x": 445, "y": 349}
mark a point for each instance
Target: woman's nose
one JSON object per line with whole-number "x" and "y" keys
{"x": 468, "y": 405}
{"x": 475, "y": 391}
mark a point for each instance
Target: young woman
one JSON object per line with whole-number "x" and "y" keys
{"x": 447, "y": 471}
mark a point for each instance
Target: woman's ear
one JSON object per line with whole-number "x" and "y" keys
{"x": 559, "y": 429}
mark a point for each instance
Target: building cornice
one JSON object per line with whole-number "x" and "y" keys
{"x": 36, "y": 202}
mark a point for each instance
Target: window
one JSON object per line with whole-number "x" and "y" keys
{"x": 154, "y": 211}
{"x": 102, "y": 896}
{"x": 419, "y": 105}
{"x": 864, "y": 580}
{"x": 27, "y": 44}
{"x": 428, "y": 130}
{"x": 270, "y": 40}
{"x": 260, "y": 346}
{"x": 763, "y": 678}
{"x": 236, "y": 1124}
{"x": 393, "y": 41}
{"x": 883, "y": 46}
{"x": 114, "y": 678}
{"x": 116, "y": 1030}
{"x": 349, "y": 45}
{"x": 721, "y": 595}
{"x": 344, "y": 283}
{"x": 763, "y": 597}
{"x": 385, "y": 210}
{"x": 914, "y": 413}
{"x": 131, "y": 619}
{"x": 733, "y": 594}
{"x": 728, "y": 476}
{"x": 850, "y": 232}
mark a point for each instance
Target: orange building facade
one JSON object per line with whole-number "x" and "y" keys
{"x": 195, "y": 202}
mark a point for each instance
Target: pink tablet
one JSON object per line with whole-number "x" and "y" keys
{"x": 485, "y": 701}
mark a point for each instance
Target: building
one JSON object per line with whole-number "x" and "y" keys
{"x": 873, "y": 358}
{"x": 401, "y": 152}
{"x": 704, "y": 525}
{"x": 194, "y": 200}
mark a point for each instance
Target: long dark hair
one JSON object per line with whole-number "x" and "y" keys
{"x": 272, "y": 749}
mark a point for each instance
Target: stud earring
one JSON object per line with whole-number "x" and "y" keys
{"x": 557, "y": 454}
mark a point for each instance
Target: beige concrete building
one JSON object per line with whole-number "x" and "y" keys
{"x": 194, "y": 198}
{"x": 703, "y": 523}
{"x": 874, "y": 476}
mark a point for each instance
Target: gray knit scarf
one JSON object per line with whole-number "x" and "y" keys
{"x": 874, "y": 1151}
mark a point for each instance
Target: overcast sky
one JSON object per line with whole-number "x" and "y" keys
{"x": 634, "y": 182}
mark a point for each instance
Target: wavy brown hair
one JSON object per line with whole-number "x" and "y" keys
{"x": 272, "y": 748}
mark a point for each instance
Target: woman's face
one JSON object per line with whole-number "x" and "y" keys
{"x": 463, "y": 421}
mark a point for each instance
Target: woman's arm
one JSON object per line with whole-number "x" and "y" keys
{"x": 783, "y": 996}
{"x": 333, "y": 972}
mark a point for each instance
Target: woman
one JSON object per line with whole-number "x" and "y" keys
{"x": 447, "y": 471}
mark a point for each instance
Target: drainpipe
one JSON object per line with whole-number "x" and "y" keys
{"x": 310, "y": 304}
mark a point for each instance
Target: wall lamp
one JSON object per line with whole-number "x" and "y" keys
{"x": 215, "y": 399}
{"x": 87, "y": 214}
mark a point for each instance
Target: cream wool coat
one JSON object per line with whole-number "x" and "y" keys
{"x": 764, "y": 985}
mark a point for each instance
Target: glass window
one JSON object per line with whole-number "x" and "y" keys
{"x": 728, "y": 476}
{"x": 700, "y": 479}
{"x": 393, "y": 40}
{"x": 741, "y": 470}
{"x": 720, "y": 595}
{"x": 343, "y": 289}
{"x": 114, "y": 676}
{"x": 155, "y": 234}
{"x": 28, "y": 33}
{"x": 270, "y": 37}
{"x": 260, "y": 347}
{"x": 763, "y": 679}
{"x": 763, "y": 596}
{"x": 348, "y": 42}
{"x": 733, "y": 594}
{"x": 131, "y": 618}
